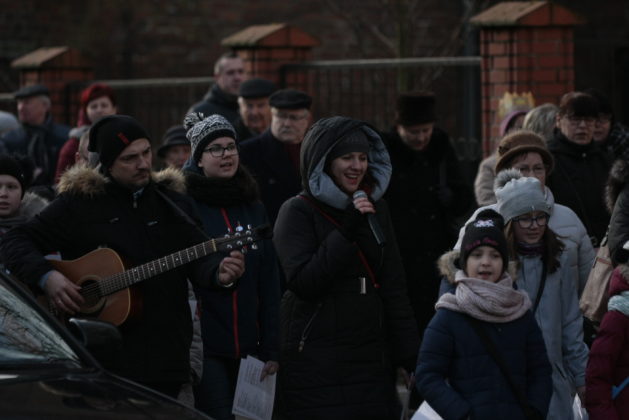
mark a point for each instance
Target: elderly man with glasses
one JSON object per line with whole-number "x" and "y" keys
{"x": 581, "y": 164}
{"x": 273, "y": 156}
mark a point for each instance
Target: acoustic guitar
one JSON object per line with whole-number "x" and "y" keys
{"x": 106, "y": 286}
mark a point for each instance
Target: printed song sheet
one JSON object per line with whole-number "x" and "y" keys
{"x": 253, "y": 399}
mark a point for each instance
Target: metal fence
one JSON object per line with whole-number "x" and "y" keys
{"x": 367, "y": 89}
{"x": 364, "y": 89}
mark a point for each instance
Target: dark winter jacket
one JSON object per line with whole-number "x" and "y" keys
{"x": 217, "y": 101}
{"x": 617, "y": 200}
{"x": 578, "y": 181}
{"x": 608, "y": 364}
{"x": 93, "y": 211}
{"x": 427, "y": 192}
{"x": 343, "y": 331}
{"x": 41, "y": 144}
{"x": 243, "y": 321}
{"x": 476, "y": 388}
{"x": 273, "y": 169}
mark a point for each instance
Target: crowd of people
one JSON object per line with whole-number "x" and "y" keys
{"x": 372, "y": 280}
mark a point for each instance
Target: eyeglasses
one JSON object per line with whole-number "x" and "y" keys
{"x": 290, "y": 117}
{"x": 537, "y": 170}
{"x": 527, "y": 222}
{"x": 219, "y": 151}
{"x": 574, "y": 120}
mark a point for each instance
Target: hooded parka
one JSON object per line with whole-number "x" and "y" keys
{"x": 343, "y": 329}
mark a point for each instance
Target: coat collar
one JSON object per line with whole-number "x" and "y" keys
{"x": 81, "y": 180}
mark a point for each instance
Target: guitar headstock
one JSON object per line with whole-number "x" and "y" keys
{"x": 244, "y": 238}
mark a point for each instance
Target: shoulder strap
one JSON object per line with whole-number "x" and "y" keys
{"x": 361, "y": 255}
{"x": 180, "y": 212}
{"x": 617, "y": 389}
{"x": 529, "y": 412}
{"x": 542, "y": 284}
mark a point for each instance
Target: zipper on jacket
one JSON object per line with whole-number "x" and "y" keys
{"x": 306, "y": 332}
{"x": 234, "y": 294}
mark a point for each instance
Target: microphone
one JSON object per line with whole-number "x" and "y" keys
{"x": 373, "y": 221}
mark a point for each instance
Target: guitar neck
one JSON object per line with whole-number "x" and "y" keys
{"x": 125, "y": 279}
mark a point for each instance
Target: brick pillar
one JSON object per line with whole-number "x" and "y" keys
{"x": 525, "y": 47}
{"x": 266, "y": 48}
{"x": 57, "y": 68}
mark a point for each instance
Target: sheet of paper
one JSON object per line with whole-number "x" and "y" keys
{"x": 254, "y": 398}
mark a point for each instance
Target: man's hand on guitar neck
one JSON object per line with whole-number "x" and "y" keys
{"x": 62, "y": 293}
{"x": 231, "y": 268}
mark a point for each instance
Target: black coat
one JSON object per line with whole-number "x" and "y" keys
{"x": 578, "y": 182}
{"x": 276, "y": 174}
{"x": 339, "y": 345}
{"x": 91, "y": 212}
{"x": 617, "y": 198}
{"x": 216, "y": 101}
{"x": 423, "y": 215}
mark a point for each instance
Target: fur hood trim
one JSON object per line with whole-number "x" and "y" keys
{"x": 618, "y": 176}
{"x": 83, "y": 180}
{"x": 448, "y": 265}
{"x": 503, "y": 177}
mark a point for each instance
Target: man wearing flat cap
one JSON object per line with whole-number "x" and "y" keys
{"x": 175, "y": 148}
{"x": 229, "y": 73}
{"x": 39, "y": 137}
{"x": 142, "y": 216}
{"x": 426, "y": 193}
{"x": 273, "y": 156}
{"x": 254, "y": 108}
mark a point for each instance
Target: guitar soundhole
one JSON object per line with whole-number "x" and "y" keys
{"x": 93, "y": 301}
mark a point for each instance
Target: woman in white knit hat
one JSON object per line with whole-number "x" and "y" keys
{"x": 544, "y": 273}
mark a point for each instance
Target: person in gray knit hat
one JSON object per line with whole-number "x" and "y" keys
{"x": 201, "y": 131}
{"x": 547, "y": 274}
{"x": 520, "y": 195}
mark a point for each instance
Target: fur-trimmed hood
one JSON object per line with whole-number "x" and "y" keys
{"x": 81, "y": 180}
{"x": 448, "y": 265}
{"x": 616, "y": 181}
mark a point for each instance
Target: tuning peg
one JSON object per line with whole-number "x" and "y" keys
{"x": 254, "y": 246}
{"x": 240, "y": 243}
{"x": 244, "y": 250}
{"x": 239, "y": 228}
{"x": 229, "y": 246}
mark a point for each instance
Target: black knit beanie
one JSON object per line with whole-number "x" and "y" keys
{"x": 112, "y": 134}
{"x": 485, "y": 230}
{"x": 356, "y": 141}
{"x": 11, "y": 167}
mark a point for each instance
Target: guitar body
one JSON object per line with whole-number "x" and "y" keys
{"x": 87, "y": 271}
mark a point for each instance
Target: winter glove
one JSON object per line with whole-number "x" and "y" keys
{"x": 445, "y": 196}
{"x": 352, "y": 220}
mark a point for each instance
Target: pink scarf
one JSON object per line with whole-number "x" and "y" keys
{"x": 486, "y": 301}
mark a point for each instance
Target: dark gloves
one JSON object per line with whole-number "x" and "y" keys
{"x": 444, "y": 195}
{"x": 352, "y": 220}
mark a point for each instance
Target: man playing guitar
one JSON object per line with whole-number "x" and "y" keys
{"x": 142, "y": 216}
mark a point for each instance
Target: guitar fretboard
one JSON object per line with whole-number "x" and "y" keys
{"x": 153, "y": 268}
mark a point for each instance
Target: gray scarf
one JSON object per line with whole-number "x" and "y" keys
{"x": 491, "y": 302}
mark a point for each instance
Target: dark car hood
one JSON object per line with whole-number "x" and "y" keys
{"x": 82, "y": 395}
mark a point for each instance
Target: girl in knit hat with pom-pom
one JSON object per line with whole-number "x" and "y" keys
{"x": 244, "y": 320}
{"x": 546, "y": 274}
{"x": 457, "y": 375}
